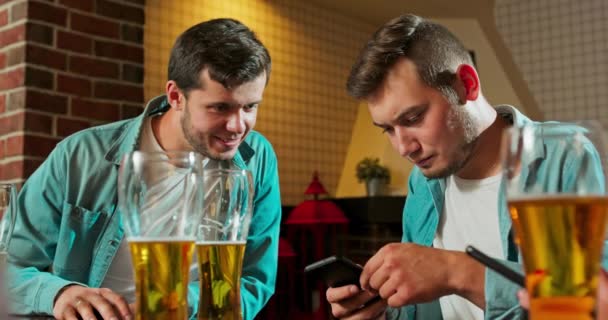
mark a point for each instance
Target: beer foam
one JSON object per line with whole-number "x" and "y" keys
{"x": 207, "y": 243}
{"x": 160, "y": 239}
{"x": 556, "y": 196}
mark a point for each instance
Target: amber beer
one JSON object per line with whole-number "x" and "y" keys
{"x": 220, "y": 266}
{"x": 161, "y": 277}
{"x": 3, "y": 263}
{"x": 561, "y": 239}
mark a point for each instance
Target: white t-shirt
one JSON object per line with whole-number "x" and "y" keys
{"x": 119, "y": 277}
{"x": 470, "y": 217}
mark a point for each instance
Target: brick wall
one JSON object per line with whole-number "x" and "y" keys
{"x": 65, "y": 65}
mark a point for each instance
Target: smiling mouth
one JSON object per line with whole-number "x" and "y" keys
{"x": 229, "y": 142}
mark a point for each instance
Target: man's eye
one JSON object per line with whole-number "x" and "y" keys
{"x": 221, "y": 107}
{"x": 388, "y": 130}
{"x": 250, "y": 106}
{"x": 414, "y": 119}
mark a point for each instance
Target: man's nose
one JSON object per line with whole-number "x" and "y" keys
{"x": 236, "y": 122}
{"x": 406, "y": 144}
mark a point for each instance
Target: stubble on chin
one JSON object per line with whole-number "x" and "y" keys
{"x": 460, "y": 160}
{"x": 200, "y": 145}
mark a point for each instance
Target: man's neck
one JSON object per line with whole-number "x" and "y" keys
{"x": 485, "y": 159}
{"x": 168, "y": 132}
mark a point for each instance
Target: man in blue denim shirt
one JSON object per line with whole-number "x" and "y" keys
{"x": 68, "y": 257}
{"x": 424, "y": 93}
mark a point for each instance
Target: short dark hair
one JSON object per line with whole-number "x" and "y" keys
{"x": 227, "y": 48}
{"x": 434, "y": 50}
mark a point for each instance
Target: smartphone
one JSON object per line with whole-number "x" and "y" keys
{"x": 335, "y": 271}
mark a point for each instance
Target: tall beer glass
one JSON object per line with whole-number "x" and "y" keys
{"x": 160, "y": 196}
{"x": 555, "y": 183}
{"x": 7, "y": 220}
{"x": 221, "y": 242}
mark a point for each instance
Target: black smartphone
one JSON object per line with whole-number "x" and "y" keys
{"x": 335, "y": 271}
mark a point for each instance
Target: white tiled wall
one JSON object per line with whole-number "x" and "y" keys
{"x": 561, "y": 48}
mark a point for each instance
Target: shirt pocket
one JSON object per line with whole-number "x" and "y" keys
{"x": 79, "y": 232}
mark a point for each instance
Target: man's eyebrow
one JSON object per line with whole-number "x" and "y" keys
{"x": 405, "y": 113}
{"x": 221, "y": 103}
{"x": 233, "y": 105}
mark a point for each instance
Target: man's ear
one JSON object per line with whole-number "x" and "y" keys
{"x": 470, "y": 82}
{"x": 174, "y": 95}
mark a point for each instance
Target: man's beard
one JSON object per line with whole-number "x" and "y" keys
{"x": 459, "y": 119}
{"x": 192, "y": 139}
{"x": 466, "y": 149}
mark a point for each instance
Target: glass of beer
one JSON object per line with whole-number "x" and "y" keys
{"x": 7, "y": 220}
{"x": 160, "y": 197}
{"x": 221, "y": 239}
{"x": 556, "y": 194}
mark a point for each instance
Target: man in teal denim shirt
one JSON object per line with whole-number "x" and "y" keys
{"x": 425, "y": 94}
{"x": 68, "y": 239}
{"x": 425, "y": 200}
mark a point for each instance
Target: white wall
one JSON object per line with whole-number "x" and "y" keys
{"x": 560, "y": 48}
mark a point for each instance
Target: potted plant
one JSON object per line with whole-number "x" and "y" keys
{"x": 375, "y": 176}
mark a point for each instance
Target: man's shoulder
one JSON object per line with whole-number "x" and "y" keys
{"x": 258, "y": 154}
{"x": 258, "y": 142}
{"x": 551, "y": 133}
{"x": 98, "y": 136}
{"x": 551, "y": 128}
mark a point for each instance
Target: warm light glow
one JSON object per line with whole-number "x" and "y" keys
{"x": 306, "y": 113}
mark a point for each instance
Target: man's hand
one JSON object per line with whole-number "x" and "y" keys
{"x": 524, "y": 298}
{"x": 349, "y": 302}
{"x": 406, "y": 273}
{"x": 77, "y": 302}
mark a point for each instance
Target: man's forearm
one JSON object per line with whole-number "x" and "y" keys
{"x": 467, "y": 278}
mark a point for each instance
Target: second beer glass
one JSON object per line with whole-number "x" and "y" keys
{"x": 221, "y": 240}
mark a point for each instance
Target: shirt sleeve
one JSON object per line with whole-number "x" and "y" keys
{"x": 501, "y": 295}
{"x": 261, "y": 254}
{"x": 396, "y": 314}
{"x": 31, "y": 286}
{"x": 605, "y": 254}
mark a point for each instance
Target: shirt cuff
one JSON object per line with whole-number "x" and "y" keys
{"x": 501, "y": 295}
